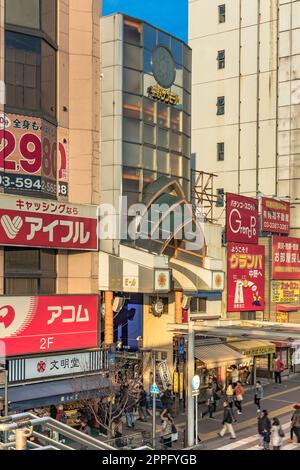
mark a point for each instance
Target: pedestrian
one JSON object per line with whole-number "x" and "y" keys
{"x": 234, "y": 374}
{"x": 129, "y": 409}
{"x": 230, "y": 399}
{"x": 296, "y": 424}
{"x": 142, "y": 404}
{"x": 217, "y": 390}
{"x": 85, "y": 429}
{"x": 166, "y": 429}
{"x": 258, "y": 394}
{"x": 167, "y": 399}
{"x": 227, "y": 421}
{"x": 53, "y": 411}
{"x": 238, "y": 396}
{"x": 295, "y": 408}
{"x": 264, "y": 430}
{"x": 278, "y": 369}
{"x": 277, "y": 434}
{"x": 210, "y": 402}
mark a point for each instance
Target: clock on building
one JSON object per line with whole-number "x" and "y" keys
{"x": 163, "y": 66}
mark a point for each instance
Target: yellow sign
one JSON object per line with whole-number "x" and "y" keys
{"x": 285, "y": 292}
{"x": 163, "y": 95}
{"x": 176, "y": 382}
{"x": 181, "y": 382}
{"x": 282, "y": 317}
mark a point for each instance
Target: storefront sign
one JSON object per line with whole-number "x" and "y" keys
{"x": 282, "y": 317}
{"x": 164, "y": 96}
{"x": 285, "y": 292}
{"x": 286, "y": 258}
{"x": 245, "y": 278}
{"x": 275, "y": 216}
{"x": 44, "y": 324}
{"x": 164, "y": 373}
{"x": 162, "y": 280}
{"x": 45, "y": 223}
{"x": 241, "y": 219}
{"x": 31, "y": 157}
{"x": 176, "y": 382}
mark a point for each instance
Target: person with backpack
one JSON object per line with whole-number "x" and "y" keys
{"x": 238, "y": 392}
{"x": 277, "y": 434}
{"x": 264, "y": 430}
{"x": 258, "y": 395}
{"x": 210, "y": 402}
{"x": 278, "y": 369}
{"x": 227, "y": 422}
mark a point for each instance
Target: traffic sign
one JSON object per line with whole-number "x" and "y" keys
{"x": 196, "y": 382}
{"x": 154, "y": 389}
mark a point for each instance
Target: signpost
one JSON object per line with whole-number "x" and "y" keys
{"x": 195, "y": 393}
{"x": 154, "y": 390}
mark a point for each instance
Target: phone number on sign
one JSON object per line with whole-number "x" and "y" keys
{"x": 32, "y": 183}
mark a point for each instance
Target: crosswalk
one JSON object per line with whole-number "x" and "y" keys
{"x": 247, "y": 442}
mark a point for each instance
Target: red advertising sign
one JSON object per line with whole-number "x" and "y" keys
{"x": 43, "y": 324}
{"x": 33, "y": 155}
{"x": 241, "y": 219}
{"x": 286, "y": 258}
{"x": 245, "y": 278}
{"x": 51, "y": 224}
{"x": 275, "y": 216}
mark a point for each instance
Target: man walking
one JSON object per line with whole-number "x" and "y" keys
{"x": 167, "y": 399}
{"x": 142, "y": 404}
{"x": 258, "y": 395}
{"x": 278, "y": 369}
{"x": 210, "y": 402}
{"x": 264, "y": 430}
{"x": 227, "y": 422}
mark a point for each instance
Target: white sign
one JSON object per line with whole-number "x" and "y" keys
{"x": 49, "y": 366}
{"x": 162, "y": 280}
{"x": 196, "y": 382}
{"x": 164, "y": 373}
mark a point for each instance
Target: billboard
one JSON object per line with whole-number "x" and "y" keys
{"x": 275, "y": 216}
{"x": 44, "y": 324}
{"x": 286, "y": 258}
{"x": 245, "y": 277}
{"x": 45, "y": 223}
{"x": 285, "y": 292}
{"x": 241, "y": 219}
{"x": 33, "y": 156}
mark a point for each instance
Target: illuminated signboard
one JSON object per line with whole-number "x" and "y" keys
{"x": 163, "y": 95}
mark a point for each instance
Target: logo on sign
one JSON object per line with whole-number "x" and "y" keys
{"x": 237, "y": 227}
{"x": 11, "y": 226}
{"x": 4, "y": 121}
{"x": 41, "y": 367}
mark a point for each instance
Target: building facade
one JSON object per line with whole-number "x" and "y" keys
{"x": 50, "y": 148}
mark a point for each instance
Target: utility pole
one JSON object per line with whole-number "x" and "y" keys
{"x": 154, "y": 402}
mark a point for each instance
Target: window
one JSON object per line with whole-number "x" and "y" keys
{"x": 220, "y": 151}
{"x": 198, "y": 304}
{"x": 221, "y": 105}
{"x": 220, "y": 197}
{"x": 221, "y": 59}
{"x": 222, "y": 13}
{"x": 29, "y": 271}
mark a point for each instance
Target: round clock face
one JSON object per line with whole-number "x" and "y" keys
{"x": 163, "y": 67}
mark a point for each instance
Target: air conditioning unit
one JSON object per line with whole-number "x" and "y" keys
{"x": 186, "y": 302}
{"x": 158, "y": 308}
{"x": 118, "y": 304}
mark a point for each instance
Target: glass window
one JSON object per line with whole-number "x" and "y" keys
{"x": 48, "y": 79}
{"x": 222, "y": 13}
{"x": 186, "y": 146}
{"x": 176, "y": 142}
{"x": 186, "y": 124}
{"x": 163, "y": 39}
{"x": 179, "y": 76}
{"x": 163, "y": 161}
{"x": 132, "y": 81}
{"x": 148, "y": 178}
{"x": 147, "y": 62}
{"x": 187, "y": 80}
{"x": 48, "y": 261}
{"x": 176, "y": 120}
{"x": 24, "y": 13}
{"x": 149, "y": 111}
{"x": 175, "y": 165}
{"x": 176, "y": 48}
{"x": 131, "y": 179}
{"x": 132, "y": 57}
{"x": 21, "y": 260}
{"x": 149, "y": 158}
{"x": 221, "y": 105}
{"x": 220, "y": 197}
{"x": 47, "y": 286}
{"x": 131, "y": 155}
{"x": 149, "y": 81}
{"x": 149, "y": 134}
{"x": 131, "y": 130}
{"x": 149, "y": 37}
{"x": 163, "y": 115}
{"x": 132, "y": 32}
{"x": 187, "y": 58}
{"x": 163, "y": 138}
{"x": 49, "y": 18}
{"x": 220, "y": 151}
{"x": 186, "y": 168}
{"x": 132, "y": 106}
{"x": 186, "y": 102}
{"x": 221, "y": 59}
{"x": 21, "y": 286}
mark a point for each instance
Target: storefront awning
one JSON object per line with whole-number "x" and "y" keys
{"x": 287, "y": 308}
{"x": 253, "y": 347}
{"x": 216, "y": 355}
{"x": 25, "y": 397}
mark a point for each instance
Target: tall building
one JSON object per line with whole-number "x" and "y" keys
{"x": 246, "y": 97}
{"x": 49, "y": 194}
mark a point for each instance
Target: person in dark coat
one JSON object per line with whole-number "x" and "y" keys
{"x": 129, "y": 409}
{"x": 167, "y": 399}
{"x": 264, "y": 430}
{"x": 227, "y": 421}
{"x": 142, "y": 404}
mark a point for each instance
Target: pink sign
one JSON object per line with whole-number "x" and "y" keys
{"x": 245, "y": 278}
{"x": 286, "y": 258}
{"x": 43, "y": 324}
{"x": 275, "y": 216}
{"x": 241, "y": 219}
{"x": 51, "y": 224}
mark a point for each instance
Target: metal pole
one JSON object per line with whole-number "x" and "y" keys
{"x": 190, "y": 375}
{"x": 6, "y": 399}
{"x": 154, "y": 402}
{"x": 196, "y": 420}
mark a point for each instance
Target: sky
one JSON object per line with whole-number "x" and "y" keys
{"x": 169, "y": 15}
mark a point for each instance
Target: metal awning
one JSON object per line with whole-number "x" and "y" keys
{"x": 216, "y": 355}
{"x": 253, "y": 347}
{"x": 287, "y": 308}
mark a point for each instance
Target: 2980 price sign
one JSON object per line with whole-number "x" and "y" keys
{"x": 31, "y": 157}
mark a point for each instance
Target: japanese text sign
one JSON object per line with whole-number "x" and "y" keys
{"x": 241, "y": 219}
{"x": 51, "y": 224}
{"x": 285, "y": 292}
{"x": 275, "y": 216}
{"x": 286, "y": 258}
{"x": 43, "y": 324}
{"x": 245, "y": 278}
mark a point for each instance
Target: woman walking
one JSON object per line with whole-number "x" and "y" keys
{"x": 238, "y": 396}
{"x": 258, "y": 395}
{"x": 277, "y": 434}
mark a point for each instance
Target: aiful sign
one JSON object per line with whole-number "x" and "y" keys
{"x": 241, "y": 219}
{"x": 45, "y": 223}
{"x": 44, "y": 324}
